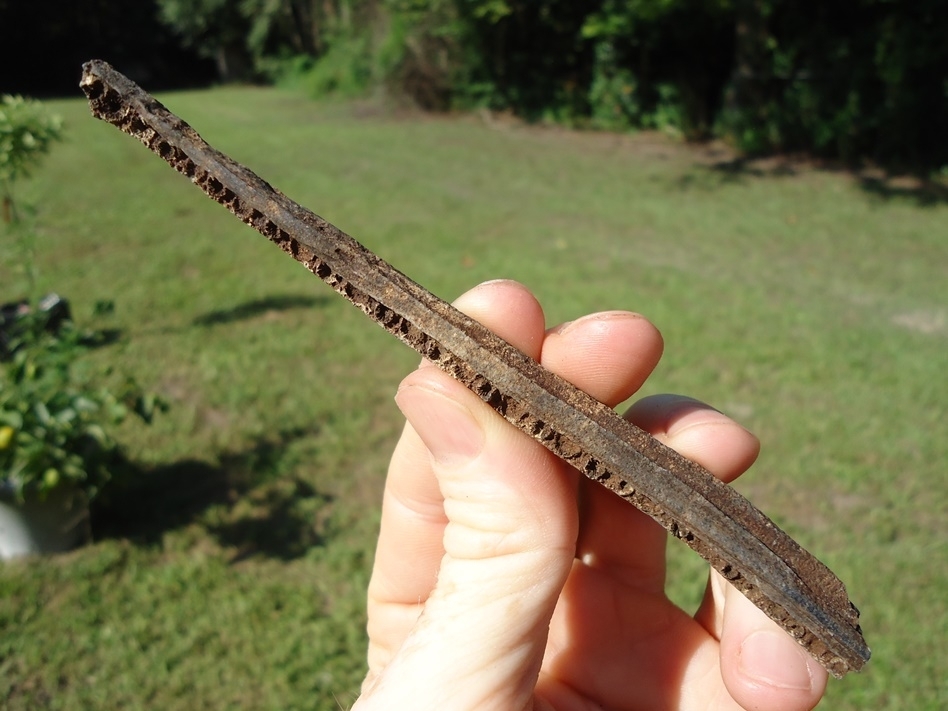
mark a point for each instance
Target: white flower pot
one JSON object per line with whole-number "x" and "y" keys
{"x": 60, "y": 522}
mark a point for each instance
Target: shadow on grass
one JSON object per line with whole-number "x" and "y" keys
{"x": 922, "y": 191}
{"x": 243, "y": 502}
{"x": 251, "y": 309}
{"x": 736, "y": 168}
{"x": 102, "y": 338}
{"x": 925, "y": 193}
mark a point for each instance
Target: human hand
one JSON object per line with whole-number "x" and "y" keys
{"x": 505, "y": 580}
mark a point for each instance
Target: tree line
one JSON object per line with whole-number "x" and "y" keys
{"x": 845, "y": 79}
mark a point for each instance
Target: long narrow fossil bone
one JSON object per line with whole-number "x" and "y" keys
{"x": 785, "y": 581}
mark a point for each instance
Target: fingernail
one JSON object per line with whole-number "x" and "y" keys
{"x": 769, "y": 658}
{"x": 448, "y": 429}
{"x": 601, "y": 318}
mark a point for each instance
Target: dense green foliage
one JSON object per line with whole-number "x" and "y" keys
{"x": 231, "y": 572}
{"x": 27, "y": 131}
{"x": 243, "y": 37}
{"x": 846, "y": 79}
{"x": 57, "y": 418}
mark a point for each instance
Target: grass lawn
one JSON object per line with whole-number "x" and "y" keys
{"x": 809, "y": 304}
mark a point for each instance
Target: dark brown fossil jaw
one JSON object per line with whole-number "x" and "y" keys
{"x": 785, "y": 581}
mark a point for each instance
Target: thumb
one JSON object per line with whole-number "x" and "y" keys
{"x": 508, "y": 547}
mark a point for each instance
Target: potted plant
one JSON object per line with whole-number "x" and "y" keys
{"x": 56, "y": 452}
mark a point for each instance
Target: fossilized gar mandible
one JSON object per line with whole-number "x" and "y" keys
{"x": 785, "y": 581}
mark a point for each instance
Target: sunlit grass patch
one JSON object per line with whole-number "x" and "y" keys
{"x": 230, "y": 572}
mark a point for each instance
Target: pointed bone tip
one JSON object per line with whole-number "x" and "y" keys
{"x": 93, "y": 71}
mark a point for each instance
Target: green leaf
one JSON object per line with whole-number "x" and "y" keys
{"x": 50, "y": 478}
{"x": 12, "y": 418}
{"x": 85, "y": 404}
{"x": 97, "y": 433}
{"x": 42, "y": 412}
{"x": 66, "y": 415}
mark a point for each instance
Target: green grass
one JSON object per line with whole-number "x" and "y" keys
{"x": 230, "y": 573}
